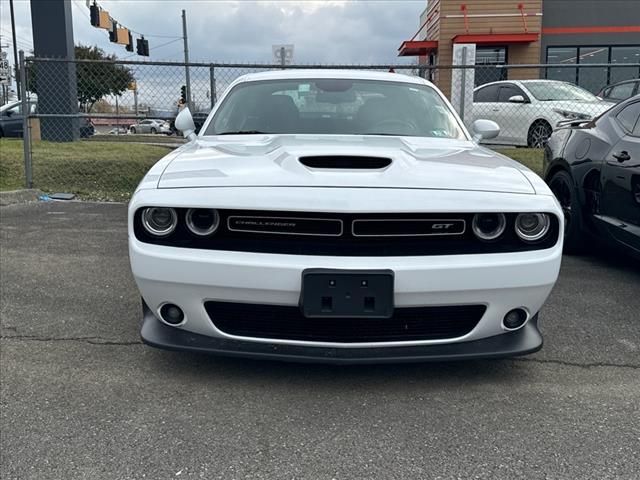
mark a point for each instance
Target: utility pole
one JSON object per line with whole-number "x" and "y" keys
{"x": 186, "y": 58}
{"x": 15, "y": 48}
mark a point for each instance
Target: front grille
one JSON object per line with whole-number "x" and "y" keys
{"x": 288, "y": 323}
{"x": 342, "y": 234}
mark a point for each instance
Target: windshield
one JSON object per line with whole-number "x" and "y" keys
{"x": 335, "y": 107}
{"x": 549, "y": 91}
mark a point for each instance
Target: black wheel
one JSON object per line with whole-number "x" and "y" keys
{"x": 133, "y": 130}
{"x": 539, "y": 134}
{"x": 561, "y": 184}
{"x": 153, "y": 130}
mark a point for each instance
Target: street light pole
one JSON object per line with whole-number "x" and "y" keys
{"x": 15, "y": 48}
{"x": 186, "y": 59}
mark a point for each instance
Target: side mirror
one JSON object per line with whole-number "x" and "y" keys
{"x": 184, "y": 123}
{"x": 8, "y": 113}
{"x": 485, "y": 129}
{"x": 517, "y": 99}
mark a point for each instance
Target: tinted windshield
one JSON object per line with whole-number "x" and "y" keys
{"x": 548, "y": 91}
{"x": 334, "y": 106}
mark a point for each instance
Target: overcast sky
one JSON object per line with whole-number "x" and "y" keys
{"x": 243, "y": 31}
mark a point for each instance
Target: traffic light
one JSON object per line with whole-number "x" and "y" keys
{"x": 183, "y": 94}
{"x": 129, "y": 47}
{"x": 142, "y": 47}
{"x": 113, "y": 33}
{"x": 95, "y": 15}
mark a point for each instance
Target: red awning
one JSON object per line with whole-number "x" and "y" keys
{"x": 412, "y": 48}
{"x": 496, "y": 38}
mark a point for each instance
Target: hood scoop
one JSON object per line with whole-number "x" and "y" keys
{"x": 351, "y": 162}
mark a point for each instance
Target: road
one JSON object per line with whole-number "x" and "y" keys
{"x": 82, "y": 398}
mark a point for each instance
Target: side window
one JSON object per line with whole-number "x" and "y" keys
{"x": 628, "y": 117}
{"x": 486, "y": 94}
{"x": 621, "y": 92}
{"x": 508, "y": 91}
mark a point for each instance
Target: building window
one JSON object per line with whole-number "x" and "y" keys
{"x": 624, "y": 55}
{"x": 490, "y": 56}
{"x": 593, "y": 78}
{"x": 564, "y": 56}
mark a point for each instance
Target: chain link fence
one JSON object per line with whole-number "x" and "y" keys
{"x": 95, "y": 127}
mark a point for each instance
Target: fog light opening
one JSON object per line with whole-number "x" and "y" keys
{"x": 172, "y": 314}
{"x": 514, "y": 319}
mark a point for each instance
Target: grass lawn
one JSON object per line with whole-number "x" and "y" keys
{"x": 530, "y": 157}
{"x": 110, "y": 170}
{"x": 92, "y": 170}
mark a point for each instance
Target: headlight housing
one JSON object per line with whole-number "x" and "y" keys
{"x": 531, "y": 227}
{"x": 202, "y": 221}
{"x": 569, "y": 115}
{"x": 159, "y": 221}
{"x": 488, "y": 226}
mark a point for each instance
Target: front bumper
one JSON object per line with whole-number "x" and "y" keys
{"x": 521, "y": 342}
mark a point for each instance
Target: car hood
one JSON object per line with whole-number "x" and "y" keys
{"x": 274, "y": 160}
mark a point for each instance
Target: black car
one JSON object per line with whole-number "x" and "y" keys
{"x": 11, "y": 120}
{"x": 593, "y": 168}
{"x": 620, "y": 91}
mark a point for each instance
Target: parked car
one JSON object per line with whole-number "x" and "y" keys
{"x": 528, "y": 110}
{"x": 11, "y": 120}
{"x": 342, "y": 216}
{"x": 151, "y": 126}
{"x": 620, "y": 91}
{"x": 593, "y": 168}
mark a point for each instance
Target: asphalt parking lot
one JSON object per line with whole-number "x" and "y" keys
{"x": 82, "y": 398}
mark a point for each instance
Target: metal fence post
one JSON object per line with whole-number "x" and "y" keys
{"x": 463, "y": 81}
{"x": 26, "y": 133}
{"x": 212, "y": 85}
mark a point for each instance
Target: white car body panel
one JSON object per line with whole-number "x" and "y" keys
{"x": 262, "y": 172}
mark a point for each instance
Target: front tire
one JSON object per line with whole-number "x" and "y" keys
{"x": 132, "y": 130}
{"x": 539, "y": 134}
{"x": 563, "y": 187}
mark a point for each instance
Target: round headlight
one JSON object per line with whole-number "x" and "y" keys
{"x": 488, "y": 226}
{"x": 531, "y": 227}
{"x": 159, "y": 221}
{"x": 202, "y": 221}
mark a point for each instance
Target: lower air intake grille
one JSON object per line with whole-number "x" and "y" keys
{"x": 288, "y": 323}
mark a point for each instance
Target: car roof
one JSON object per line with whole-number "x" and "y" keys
{"x": 631, "y": 80}
{"x": 346, "y": 74}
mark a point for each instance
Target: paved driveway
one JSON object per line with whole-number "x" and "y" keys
{"x": 82, "y": 398}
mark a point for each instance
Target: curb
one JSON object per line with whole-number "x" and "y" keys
{"x": 13, "y": 197}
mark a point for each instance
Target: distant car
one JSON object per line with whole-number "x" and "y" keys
{"x": 593, "y": 168}
{"x": 620, "y": 91}
{"x": 527, "y": 111}
{"x": 118, "y": 131}
{"x": 151, "y": 126}
{"x": 11, "y": 120}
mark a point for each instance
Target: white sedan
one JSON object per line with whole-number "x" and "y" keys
{"x": 342, "y": 216}
{"x": 528, "y": 111}
{"x": 151, "y": 126}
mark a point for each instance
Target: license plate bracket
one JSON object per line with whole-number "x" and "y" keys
{"x": 330, "y": 293}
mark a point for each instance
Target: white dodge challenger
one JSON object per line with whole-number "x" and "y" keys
{"x": 342, "y": 216}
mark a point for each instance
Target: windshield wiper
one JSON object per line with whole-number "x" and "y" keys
{"x": 244, "y": 132}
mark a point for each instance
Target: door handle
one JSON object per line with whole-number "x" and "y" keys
{"x": 623, "y": 156}
{"x": 495, "y": 109}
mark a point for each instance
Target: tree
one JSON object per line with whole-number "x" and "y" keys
{"x": 95, "y": 80}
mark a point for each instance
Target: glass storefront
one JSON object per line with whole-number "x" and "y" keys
{"x": 489, "y": 56}
{"x": 593, "y": 78}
